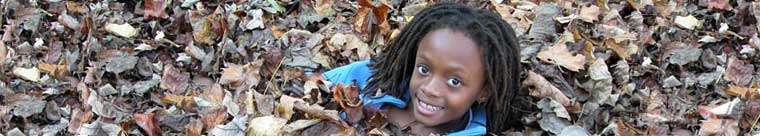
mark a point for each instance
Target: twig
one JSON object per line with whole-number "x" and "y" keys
{"x": 754, "y": 123}
{"x": 266, "y": 89}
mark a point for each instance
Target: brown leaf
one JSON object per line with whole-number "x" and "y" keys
{"x": 174, "y": 80}
{"x": 713, "y": 126}
{"x": 184, "y": 102}
{"x": 589, "y": 13}
{"x": 541, "y": 88}
{"x": 148, "y": 123}
{"x": 324, "y": 7}
{"x": 739, "y": 73}
{"x": 155, "y": 8}
{"x": 348, "y": 98}
{"x": 79, "y": 117}
{"x": 194, "y": 128}
{"x": 202, "y": 28}
{"x": 55, "y": 70}
{"x": 214, "y": 95}
{"x": 252, "y": 75}
{"x": 212, "y": 117}
{"x": 377, "y": 13}
{"x": 232, "y": 75}
{"x": 76, "y": 7}
{"x": 619, "y": 48}
{"x": 559, "y": 55}
{"x": 722, "y": 5}
{"x": 285, "y": 109}
{"x": 740, "y": 91}
{"x": 266, "y": 126}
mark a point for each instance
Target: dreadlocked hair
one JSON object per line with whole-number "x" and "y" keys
{"x": 393, "y": 68}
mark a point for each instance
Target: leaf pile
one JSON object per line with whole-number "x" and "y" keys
{"x": 251, "y": 67}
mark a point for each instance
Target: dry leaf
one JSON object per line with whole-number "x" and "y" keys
{"x": 215, "y": 95}
{"x": 266, "y": 126}
{"x": 233, "y": 75}
{"x": 56, "y": 70}
{"x": 719, "y": 5}
{"x": 148, "y": 123}
{"x": 348, "y": 98}
{"x": 202, "y": 28}
{"x": 349, "y": 43}
{"x": 688, "y": 22}
{"x": 78, "y": 117}
{"x": 739, "y": 73}
{"x": 712, "y": 126}
{"x": 212, "y": 117}
{"x": 28, "y": 107}
{"x": 620, "y": 49}
{"x": 299, "y": 125}
{"x": 541, "y": 88}
{"x": 99, "y": 128}
{"x": 229, "y": 104}
{"x": 31, "y": 74}
{"x": 740, "y": 91}
{"x": 725, "y": 109}
{"x": 589, "y": 13}
{"x": 123, "y": 30}
{"x": 364, "y": 22}
{"x": 324, "y": 7}
{"x": 119, "y": 64}
{"x": 194, "y": 128}
{"x": 236, "y": 127}
{"x": 285, "y": 108}
{"x": 174, "y": 80}
{"x": 155, "y": 8}
{"x": 559, "y": 55}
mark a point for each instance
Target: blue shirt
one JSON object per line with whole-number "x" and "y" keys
{"x": 360, "y": 72}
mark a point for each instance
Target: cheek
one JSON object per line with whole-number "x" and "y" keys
{"x": 414, "y": 82}
{"x": 461, "y": 101}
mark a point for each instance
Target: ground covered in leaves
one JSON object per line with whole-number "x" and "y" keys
{"x": 244, "y": 67}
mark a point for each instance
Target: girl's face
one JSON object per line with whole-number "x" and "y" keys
{"x": 448, "y": 77}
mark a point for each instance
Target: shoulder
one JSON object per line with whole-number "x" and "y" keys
{"x": 358, "y": 71}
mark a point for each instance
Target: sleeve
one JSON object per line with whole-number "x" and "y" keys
{"x": 358, "y": 71}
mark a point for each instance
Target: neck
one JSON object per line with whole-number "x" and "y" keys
{"x": 458, "y": 124}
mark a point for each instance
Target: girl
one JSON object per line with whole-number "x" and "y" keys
{"x": 453, "y": 70}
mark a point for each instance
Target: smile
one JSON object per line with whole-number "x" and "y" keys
{"x": 427, "y": 108}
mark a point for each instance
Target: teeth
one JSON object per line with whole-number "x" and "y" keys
{"x": 429, "y": 107}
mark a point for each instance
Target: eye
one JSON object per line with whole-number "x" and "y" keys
{"x": 455, "y": 82}
{"x": 422, "y": 69}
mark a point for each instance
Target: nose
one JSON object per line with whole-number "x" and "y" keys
{"x": 431, "y": 88}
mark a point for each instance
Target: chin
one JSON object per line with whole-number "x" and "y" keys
{"x": 427, "y": 121}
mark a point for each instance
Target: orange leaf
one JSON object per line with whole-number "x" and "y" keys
{"x": 184, "y": 102}
{"x": 348, "y": 98}
{"x": 57, "y": 70}
{"x": 194, "y": 128}
{"x": 148, "y": 123}
{"x": 379, "y": 12}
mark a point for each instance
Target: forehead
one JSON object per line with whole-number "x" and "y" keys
{"x": 453, "y": 47}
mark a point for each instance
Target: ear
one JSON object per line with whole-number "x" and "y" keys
{"x": 482, "y": 96}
